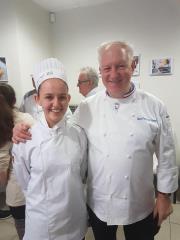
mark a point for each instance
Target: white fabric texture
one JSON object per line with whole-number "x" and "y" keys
{"x": 92, "y": 92}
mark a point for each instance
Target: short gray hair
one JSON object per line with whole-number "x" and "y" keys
{"x": 91, "y": 74}
{"x": 106, "y": 45}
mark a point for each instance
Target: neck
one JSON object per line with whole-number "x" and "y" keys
{"x": 123, "y": 94}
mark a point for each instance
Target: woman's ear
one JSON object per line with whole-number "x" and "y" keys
{"x": 36, "y": 97}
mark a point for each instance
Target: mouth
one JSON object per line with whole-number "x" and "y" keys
{"x": 55, "y": 110}
{"x": 114, "y": 82}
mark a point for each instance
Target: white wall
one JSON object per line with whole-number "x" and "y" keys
{"x": 8, "y": 41}
{"x": 25, "y": 39}
{"x": 34, "y": 39}
{"x": 153, "y": 27}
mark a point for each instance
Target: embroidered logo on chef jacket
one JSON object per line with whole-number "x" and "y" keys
{"x": 146, "y": 119}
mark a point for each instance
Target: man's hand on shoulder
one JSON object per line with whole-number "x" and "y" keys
{"x": 21, "y": 133}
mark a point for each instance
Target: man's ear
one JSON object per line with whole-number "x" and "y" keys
{"x": 69, "y": 98}
{"x": 133, "y": 65}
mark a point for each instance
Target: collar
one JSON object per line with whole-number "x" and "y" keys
{"x": 92, "y": 92}
{"x": 56, "y": 127}
{"x": 130, "y": 92}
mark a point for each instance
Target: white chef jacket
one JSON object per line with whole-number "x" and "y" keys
{"x": 122, "y": 136}
{"x": 50, "y": 169}
{"x": 92, "y": 92}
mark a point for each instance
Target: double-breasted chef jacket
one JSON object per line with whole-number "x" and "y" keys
{"x": 123, "y": 134}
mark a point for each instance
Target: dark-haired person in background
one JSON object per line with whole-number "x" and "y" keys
{"x": 8, "y": 116}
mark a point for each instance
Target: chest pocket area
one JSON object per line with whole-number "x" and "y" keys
{"x": 60, "y": 162}
{"x": 147, "y": 127}
{"x": 56, "y": 170}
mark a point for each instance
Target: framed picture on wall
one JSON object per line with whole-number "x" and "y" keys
{"x": 161, "y": 66}
{"x": 137, "y": 65}
{"x": 3, "y": 70}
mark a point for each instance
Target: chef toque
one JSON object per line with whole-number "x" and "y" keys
{"x": 48, "y": 68}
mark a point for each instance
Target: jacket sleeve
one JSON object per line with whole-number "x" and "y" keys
{"x": 21, "y": 165}
{"x": 167, "y": 171}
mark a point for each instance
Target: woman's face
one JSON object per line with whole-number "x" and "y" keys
{"x": 54, "y": 98}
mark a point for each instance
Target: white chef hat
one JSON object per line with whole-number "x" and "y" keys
{"x": 48, "y": 68}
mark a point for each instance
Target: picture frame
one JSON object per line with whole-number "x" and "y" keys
{"x": 137, "y": 65}
{"x": 3, "y": 70}
{"x": 161, "y": 66}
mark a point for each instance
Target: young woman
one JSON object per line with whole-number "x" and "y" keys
{"x": 51, "y": 166}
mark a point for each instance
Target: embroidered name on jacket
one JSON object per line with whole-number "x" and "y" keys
{"x": 146, "y": 119}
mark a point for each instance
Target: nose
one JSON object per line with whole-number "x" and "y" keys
{"x": 56, "y": 102}
{"x": 114, "y": 72}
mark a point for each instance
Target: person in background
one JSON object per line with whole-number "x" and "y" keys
{"x": 88, "y": 81}
{"x": 6, "y": 125}
{"x": 3, "y": 70}
{"x": 52, "y": 166}
{"x": 10, "y": 116}
{"x": 125, "y": 127}
{"x": 29, "y": 104}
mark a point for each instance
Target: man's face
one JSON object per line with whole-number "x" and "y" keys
{"x": 116, "y": 71}
{"x": 84, "y": 84}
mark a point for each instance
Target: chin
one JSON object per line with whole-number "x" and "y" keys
{"x": 55, "y": 120}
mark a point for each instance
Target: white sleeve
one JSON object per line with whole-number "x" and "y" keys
{"x": 21, "y": 165}
{"x": 167, "y": 170}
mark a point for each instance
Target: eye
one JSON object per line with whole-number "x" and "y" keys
{"x": 121, "y": 66}
{"x": 106, "y": 69}
{"x": 62, "y": 97}
{"x": 49, "y": 97}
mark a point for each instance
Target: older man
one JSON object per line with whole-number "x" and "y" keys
{"x": 125, "y": 127}
{"x": 88, "y": 81}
